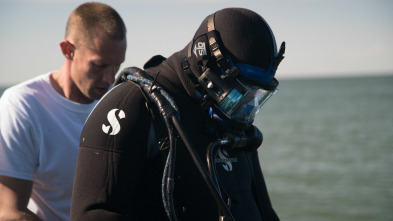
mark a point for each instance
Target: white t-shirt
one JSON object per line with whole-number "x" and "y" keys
{"x": 39, "y": 141}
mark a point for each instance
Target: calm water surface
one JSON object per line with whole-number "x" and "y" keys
{"x": 327, "y": 152}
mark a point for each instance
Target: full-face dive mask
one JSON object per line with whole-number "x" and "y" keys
{"x": 237, "y": 99}
{"x": 237, "y": 91}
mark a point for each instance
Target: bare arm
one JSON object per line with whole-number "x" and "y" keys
{"x": 15, "y": 194}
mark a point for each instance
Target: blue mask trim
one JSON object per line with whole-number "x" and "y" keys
{"x": 256, "y": 73}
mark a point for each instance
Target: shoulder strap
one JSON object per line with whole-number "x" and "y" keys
{"x": 158, "y": 134}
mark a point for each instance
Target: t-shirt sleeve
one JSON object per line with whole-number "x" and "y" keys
{"x": 18, "y": 152}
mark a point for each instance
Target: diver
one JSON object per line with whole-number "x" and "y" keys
{"x": 176, "y": 140}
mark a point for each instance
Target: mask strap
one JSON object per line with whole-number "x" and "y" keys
{"x": 280, "y": 55}
{"x": 231, "y": 72}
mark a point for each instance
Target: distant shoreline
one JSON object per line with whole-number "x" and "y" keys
{"x": 297, "y": 76}
{"x": 305, "y": 78}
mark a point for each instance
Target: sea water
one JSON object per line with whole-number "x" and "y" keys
{"x": 327, "y": 153}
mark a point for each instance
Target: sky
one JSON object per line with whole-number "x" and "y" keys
{"x": 335, "y": 38}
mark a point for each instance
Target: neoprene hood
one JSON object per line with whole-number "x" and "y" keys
{"x": 232, "y": 60}
{"x": 241, "y": 34}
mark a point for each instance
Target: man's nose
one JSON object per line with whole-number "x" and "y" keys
{"x": 109, "y": 75}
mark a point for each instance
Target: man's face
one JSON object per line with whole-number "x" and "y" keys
{"x": 93, "y": 70}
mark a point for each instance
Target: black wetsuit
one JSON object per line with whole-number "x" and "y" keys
{"x": 119, "y": 170}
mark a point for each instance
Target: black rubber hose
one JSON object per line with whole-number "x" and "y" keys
{"x": 202, "y": 170}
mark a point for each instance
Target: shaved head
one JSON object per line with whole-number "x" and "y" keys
{"x": 85, "y": 20}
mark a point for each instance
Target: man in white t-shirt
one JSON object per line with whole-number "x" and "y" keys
{"x": 41, "y": 119}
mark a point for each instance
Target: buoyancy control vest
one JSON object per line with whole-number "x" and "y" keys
{"x": 166, "y": 131}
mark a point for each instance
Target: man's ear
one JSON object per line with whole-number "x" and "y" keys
{"x": 67, "y": 48}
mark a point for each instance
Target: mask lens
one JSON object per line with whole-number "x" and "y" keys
{"x": 243, "y": 108}
{"x": 231, "y": 100}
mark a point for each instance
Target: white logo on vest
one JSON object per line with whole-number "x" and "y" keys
{"x": 200, "y": 49}
{"x": 223, "y": 157}
{"x": 114, "y": 123}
